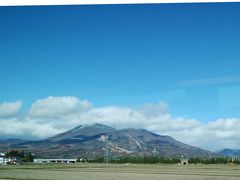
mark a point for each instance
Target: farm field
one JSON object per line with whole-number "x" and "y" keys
{"x": 121, "y": 172}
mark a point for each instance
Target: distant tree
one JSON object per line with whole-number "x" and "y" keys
{"x": 236, "y": 161}
{"x": 28, "y": 157}
{"x": 97, "y": 160}
{"x": 21, "y": 155}
{"x": 15, "y": 153}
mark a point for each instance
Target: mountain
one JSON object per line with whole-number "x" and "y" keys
{"x": 85, "y": 141}
{"x": 229, "y": 152}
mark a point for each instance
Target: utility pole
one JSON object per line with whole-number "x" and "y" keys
{"x": 106, "y": 153}
{"x": 105, "y": 138}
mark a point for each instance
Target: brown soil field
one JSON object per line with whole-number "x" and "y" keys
{"x": 121, "y": 172}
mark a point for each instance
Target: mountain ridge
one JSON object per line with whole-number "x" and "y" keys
{"x": 85, "y": 141}
{"x": 229, "y": 152}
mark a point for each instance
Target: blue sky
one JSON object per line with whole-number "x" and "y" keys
{"x": 186, "y": 55}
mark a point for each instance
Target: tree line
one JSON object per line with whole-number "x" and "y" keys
{"x": 214, "y": 160}
{"x": 139, "y": 160}
{"x": 166, "y": 160}
{"x": 25, "y": 157}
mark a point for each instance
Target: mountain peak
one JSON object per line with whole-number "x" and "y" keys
{"x": 84, "y": 130}
{"x": 95, "y": 125}
{"x": 98, "y": 125}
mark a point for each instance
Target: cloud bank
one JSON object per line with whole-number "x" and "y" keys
{"x": 10, "y": 108}
{"x": 53, "y": 115}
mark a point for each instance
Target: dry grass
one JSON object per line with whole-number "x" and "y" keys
{"x": 121, "y": 172}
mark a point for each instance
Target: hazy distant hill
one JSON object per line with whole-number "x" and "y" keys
{"x": 84, "y": 141}
{"x": 229, "y": 152}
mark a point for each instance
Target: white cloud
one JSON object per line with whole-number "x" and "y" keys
{"x": 57, "y": 106}
{"x": 27, "y": 128}
{"x": 151, "y": 109}
{"x": 210, "y": 81}
{"x": 10, "y": 108}
{"x": 218, "y": 134}
{"x": 53, "y": 115}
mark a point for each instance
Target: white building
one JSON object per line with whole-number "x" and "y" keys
{"x": 9, "y": 160}
{"x": 2, "y": 159}
{"x": 55, "y": 161}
